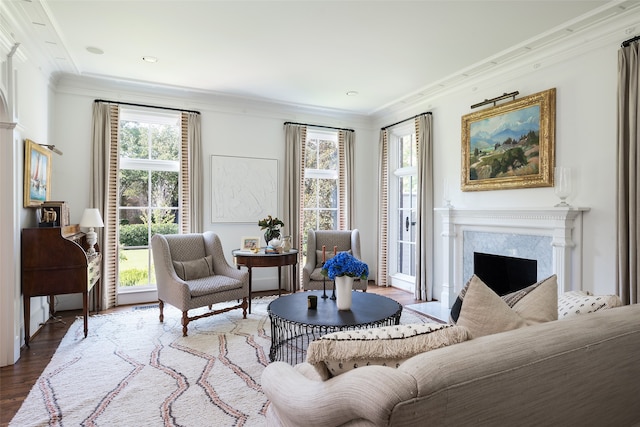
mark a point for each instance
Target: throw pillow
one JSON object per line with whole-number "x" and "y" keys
{"x": 339, "y": 352}
{"x": 483, "y": 312}
{"x": 511, "y": 299}
{"x": 195, "y": 269}
{"x": 328, "y": 256}
{"x": 537, "y": 303}
{"x": 573, "y": 303}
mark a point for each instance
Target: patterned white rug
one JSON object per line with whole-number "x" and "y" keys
{"x": 132, "y": 370}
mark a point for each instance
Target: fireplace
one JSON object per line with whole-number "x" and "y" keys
{"x": 552, "y": 237}
{"x": 504, "y": 274}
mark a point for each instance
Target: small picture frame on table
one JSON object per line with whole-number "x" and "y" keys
{"x": 249, "y": 243}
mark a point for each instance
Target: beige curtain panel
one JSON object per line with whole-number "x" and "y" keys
{"x": 628, "y": 194}
{"x": 103, "y": 194}
{"x": 382, "y": 272}
{"x": 424, "y": 208}
{"x": 295, "y": 138}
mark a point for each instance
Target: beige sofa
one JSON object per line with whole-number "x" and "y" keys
{"x": 583, "y": 370}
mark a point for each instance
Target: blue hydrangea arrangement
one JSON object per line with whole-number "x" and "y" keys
{"x": 345, "y": 264}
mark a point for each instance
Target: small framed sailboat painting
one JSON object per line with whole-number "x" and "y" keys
{"x": 37, "y": 174}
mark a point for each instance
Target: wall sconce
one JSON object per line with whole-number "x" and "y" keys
{"x": 91, "y": 219}
{"x": 52, "y": 148}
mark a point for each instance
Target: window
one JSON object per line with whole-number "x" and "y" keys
{"x": 321, "y": 190}
{"x": 148, "y": 191}
{"x": 403, "y": 197}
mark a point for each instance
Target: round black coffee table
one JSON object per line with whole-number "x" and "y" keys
{"x": 294, "y": 325}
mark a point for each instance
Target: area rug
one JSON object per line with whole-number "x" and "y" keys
{"x": 132, "y": 370}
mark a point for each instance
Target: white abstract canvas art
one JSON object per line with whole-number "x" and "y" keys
{"x": 243, "y": 189}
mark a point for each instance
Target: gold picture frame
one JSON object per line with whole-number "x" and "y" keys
{"x": 249, "y": 243}
{"x": 511, "y": 145}
{"x": 37, "y": 174}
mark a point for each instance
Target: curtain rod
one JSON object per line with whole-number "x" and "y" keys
{"x": 628, "y": 42}
{"x": 317, "y": 126}
{"x": 405, "y": 120}
{"x": 147, "y": 106}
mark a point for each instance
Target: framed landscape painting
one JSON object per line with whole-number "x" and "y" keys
{"x": 511, "y": 145}
{"x": 37, "y": 174}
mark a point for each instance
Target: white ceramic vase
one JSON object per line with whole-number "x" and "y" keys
{"x": 276, "y": 243}
{"x": 344, "y": 288}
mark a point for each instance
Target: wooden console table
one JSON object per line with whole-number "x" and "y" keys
{"x": 249, "y": 259}
{"x": 54, "y": 261}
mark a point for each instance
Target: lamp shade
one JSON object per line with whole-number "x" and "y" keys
{"x": 91, "y": 218}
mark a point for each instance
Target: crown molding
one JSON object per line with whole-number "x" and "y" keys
{"x": 606, "y": 26}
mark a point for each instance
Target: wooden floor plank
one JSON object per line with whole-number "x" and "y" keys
{"x": 17, "y": 380}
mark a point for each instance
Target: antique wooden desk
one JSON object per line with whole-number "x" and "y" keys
{"x": 54, "y": 261}
{"x": 260, "y": 259}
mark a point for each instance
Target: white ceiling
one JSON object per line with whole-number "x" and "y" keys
{"x": 302, "y": 52}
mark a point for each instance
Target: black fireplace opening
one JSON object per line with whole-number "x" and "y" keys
{"x": 504, "y": 274}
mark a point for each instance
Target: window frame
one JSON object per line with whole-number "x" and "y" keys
{"x": 329, "y": 174}
{"x": 397, "y": 278}
{"x": 148, "y": 165}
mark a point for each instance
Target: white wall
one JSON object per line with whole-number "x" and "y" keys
{"x": 229, "y": 128}
{"x": 31, "y": 120}
{"x": 586, "y": 83}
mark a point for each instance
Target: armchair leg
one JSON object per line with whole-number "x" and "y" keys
{"x": 185, "y": 322}
{"x": 161, "y": 306}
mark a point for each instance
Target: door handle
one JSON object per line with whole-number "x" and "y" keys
{"x": 406, "y": 224}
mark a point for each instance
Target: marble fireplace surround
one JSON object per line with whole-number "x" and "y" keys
{"x": 552, "y": 236}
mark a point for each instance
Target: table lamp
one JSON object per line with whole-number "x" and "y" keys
{"x": 91, "y": 219}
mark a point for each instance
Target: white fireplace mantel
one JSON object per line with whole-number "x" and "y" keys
{"x": 563, "y": 225}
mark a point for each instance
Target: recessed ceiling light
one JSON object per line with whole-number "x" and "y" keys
{"x": 95, "y": 50}
{"x": 151, "y": 59}
{"x": 352, "y": 93}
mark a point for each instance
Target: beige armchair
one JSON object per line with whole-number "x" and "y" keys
{"x": 192, "y": 272}
{"x": 345, "y": 240}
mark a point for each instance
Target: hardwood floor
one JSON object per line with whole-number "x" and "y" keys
{"x": 17, "y": 380}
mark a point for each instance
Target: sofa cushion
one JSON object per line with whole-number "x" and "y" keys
{"x": 573, "y": 303}
{"x": 511, "y": 299}
{"x": 483, "y": 312}
{"x": 328, "y": 256}
{"x": 339, "y": 352}
{"x": 194, "y": 269}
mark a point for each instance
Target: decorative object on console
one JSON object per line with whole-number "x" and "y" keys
{"x": 511, "y": 145}
{"x": 91, "y": 219}
{"x": 53, "y": 214}
{"x": 562, "y": 185}
{"x": 286, "y": 243}
{"x": 275, "y": 243}
{"x": 37, "y": 174}
{"x": 272, "y": 250}
{"x": 343, "y": 268}
{"x": 272, "y": 227}
{"x": 249, "y": 243}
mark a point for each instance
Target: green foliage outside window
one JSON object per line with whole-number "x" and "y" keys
{"x": 137, "y": 234}
{"x": 148, "y": 194}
